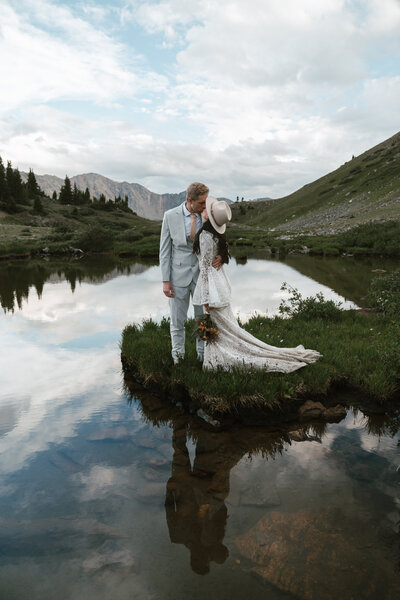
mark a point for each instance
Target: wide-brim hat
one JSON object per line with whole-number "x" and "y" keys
{"x": 219, "y": 212}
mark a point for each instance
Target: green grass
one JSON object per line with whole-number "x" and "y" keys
{"x": 61, "y": 227}
{"x": 359, "y": 353}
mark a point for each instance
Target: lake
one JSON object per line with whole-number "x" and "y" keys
{"x": 106, "y": 492}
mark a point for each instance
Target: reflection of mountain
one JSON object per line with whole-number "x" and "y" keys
{"x": 16, "y": 277}
{"x": 349, "y": 277}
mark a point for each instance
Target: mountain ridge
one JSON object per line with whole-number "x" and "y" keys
{"x": 141, "y": 200}
{"x": 366, "y": 188}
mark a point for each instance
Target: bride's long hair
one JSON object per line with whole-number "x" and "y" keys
{"x": 223, "y": 248}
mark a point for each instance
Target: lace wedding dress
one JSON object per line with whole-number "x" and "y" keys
{"x": 235, "y": 346}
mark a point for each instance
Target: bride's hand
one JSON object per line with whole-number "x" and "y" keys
{"x": 206, "y": 308}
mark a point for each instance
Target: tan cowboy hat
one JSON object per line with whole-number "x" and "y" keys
{"x": 219, "y": 213}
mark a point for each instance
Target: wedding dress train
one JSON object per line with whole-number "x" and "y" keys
{"x": 234, "y": 345}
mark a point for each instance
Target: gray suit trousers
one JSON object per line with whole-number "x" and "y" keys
{"x": 178, "y": 307}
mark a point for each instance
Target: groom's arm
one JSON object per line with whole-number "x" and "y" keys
{"x": 166, "y": 257}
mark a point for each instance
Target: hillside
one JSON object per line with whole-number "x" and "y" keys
{"x": 367, "y": 188}
{"x": 142, "y": 201}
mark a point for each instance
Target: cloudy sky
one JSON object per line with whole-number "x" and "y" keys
{"x": 255, "y": 98}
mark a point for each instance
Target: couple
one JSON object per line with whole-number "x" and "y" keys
{"x": 193, "y": 250}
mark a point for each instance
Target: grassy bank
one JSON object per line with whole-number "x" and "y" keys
{"x": 370, "y": 239}
{"x": 61, "y": 229}
{"x": 360, "y": 353}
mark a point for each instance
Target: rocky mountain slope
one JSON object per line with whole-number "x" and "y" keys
{"x": 141, "y": 200}
{"x": 366, "y": 188}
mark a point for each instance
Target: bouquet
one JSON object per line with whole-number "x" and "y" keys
{"x": 205, "y": 328}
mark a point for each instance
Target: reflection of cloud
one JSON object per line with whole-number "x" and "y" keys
{"x": 101, "y": 480}
{"x": 53, "y": 380}
{"x": 256, "y": 287}
{"x": 53, "y": 384}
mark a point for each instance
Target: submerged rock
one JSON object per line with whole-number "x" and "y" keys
{"x": 310, "y": 556}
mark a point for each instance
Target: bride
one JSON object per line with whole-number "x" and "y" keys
{"x": 234, "y": 346}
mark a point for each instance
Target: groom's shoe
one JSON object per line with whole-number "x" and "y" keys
{"x": 177, "y": 359}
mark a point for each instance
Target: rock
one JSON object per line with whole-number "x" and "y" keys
{"x": 309, "y": 555}
{"x": 311, "y": 410}
{"x": 335, "y": 413}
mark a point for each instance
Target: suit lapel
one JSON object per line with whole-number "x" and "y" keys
{"x": 179, "y": 221}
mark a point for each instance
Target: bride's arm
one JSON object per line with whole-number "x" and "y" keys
{"x": 206, "y": 256}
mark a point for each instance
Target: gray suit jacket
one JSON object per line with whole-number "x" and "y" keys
{"x": 178, "y": 263}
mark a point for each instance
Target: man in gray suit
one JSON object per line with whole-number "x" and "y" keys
{"x": 179, "y": 266}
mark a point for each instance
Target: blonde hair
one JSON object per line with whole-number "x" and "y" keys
{"x": 195, "y": 190}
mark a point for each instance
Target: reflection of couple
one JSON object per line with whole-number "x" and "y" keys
{"x": 193, "y": 250}
{"x": 194, "y": 505}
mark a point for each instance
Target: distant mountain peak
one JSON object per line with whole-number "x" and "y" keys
{"x": 140, "y": 199}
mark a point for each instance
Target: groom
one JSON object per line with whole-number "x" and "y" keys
{"x": 180, "y": 267}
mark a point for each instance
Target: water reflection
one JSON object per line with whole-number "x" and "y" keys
{"x": 198, "y": 494}
{"x": 17, "y": 277}
{"x": 103, "y": 498}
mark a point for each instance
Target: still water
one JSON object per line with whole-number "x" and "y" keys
{"x": 107, "y": 493}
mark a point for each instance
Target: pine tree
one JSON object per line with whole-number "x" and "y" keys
{"x": 86, "y": 196}
{"x": 32, "y": 187}
{"x": 9, "y": 203}
{"x": 54, "y": 196}
{"x": 76, "y": 195}
{"x": 66, "y": 196}
{"x": 2, "y": 181}
{"x": 37, "y": 205}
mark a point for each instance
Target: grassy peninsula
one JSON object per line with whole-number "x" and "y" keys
{"x": 361, "y": 356}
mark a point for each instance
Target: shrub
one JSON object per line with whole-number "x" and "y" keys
{"x": 310, "y": 308}
{"x": 95, "y": 239}
{"x": 384, "y": 294}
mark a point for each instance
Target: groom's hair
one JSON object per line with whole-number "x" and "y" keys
{"x": 195, "y": 190}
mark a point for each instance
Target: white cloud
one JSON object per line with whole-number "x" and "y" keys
{"x": 69, "y": 61}
{"x": 269, "y": 94}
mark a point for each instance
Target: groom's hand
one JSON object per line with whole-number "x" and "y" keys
{"x": 168, "y": 289}
{"x": 217, "y": 262}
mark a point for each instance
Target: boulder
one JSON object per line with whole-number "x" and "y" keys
{"x": 311, "y": 555}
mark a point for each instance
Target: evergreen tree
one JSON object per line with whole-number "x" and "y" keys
{"x": 86, "y": 196}
{"x": 2, "y": 181}
{"x": 76, "y": 199}
{"x": 9, "y": 200}
{"x": 32, "y": 187}
{"x": 14, "y": 182}
{"x": 54, "y": 196}
{"x": 37, "y": 205}
{"x": 66, "y": 195}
